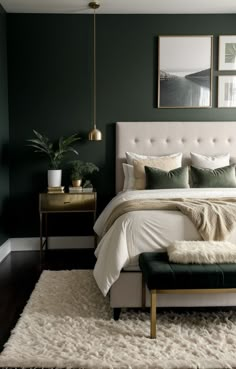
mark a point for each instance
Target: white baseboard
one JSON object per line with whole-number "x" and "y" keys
{"x": 24, "y": 244}
{"x": 32, "y": 244}
{"x": 5, "y": 249}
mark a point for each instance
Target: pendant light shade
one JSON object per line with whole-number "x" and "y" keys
{"x": 94, "y": 134}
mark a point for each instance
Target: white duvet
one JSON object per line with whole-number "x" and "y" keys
{"x": 140, "y": 231}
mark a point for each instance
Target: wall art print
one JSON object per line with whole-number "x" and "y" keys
{"x": 185, "y": 71}
{"x": 227, "y": 53}
{"x": 227, "y": 91}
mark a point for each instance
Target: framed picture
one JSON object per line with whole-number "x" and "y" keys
{"x": 227, "y": 52}
{"x": 185, "y": 71}
{"x": 227, "y": 91}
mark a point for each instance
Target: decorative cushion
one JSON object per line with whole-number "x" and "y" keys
{"x": 131, "y": 156}
{"x": 157, "y": 178}
{"x": 166, "y": 163}
{"x": 128, "y": 177}
{"x": 220, "y": 177}
{"x": 210, "y": 162}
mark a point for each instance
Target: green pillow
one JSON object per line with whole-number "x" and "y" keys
{"x": 157, "y": 178}
{"x": 220, "y": 177}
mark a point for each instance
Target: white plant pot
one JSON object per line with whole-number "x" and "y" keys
{"x": 54, "y": 177}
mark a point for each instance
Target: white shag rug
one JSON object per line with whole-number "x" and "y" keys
{"x": 67, "y": 323}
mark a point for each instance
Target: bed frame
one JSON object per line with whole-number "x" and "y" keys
{"x": 160, "y": 138}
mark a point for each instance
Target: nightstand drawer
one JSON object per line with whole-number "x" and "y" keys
{"x": 67, "y": 202}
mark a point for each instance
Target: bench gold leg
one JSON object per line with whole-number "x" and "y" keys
{"x": 153, "y": 313}
{"x": 143, "y": 293}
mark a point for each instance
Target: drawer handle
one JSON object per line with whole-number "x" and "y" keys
{"x": 66, "y": 202}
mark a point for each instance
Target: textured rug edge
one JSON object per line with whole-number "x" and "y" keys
{"x": 167, "y": 364}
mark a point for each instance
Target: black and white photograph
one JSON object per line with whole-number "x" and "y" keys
{"x": 226, "y": 91}
{"x": 227, "y": 52}
{"x": 185, "y": 71}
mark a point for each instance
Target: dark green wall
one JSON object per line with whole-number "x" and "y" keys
{"x": 50, "y": 90}
{"x": 4, "y": 130}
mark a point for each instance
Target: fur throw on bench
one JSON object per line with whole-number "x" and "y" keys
{"x": 202, "y": 252}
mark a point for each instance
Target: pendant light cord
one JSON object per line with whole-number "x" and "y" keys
{"x": 94, "y": 70}
{"x": 94, "y": 134}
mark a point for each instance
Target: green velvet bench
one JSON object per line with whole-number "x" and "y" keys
{"x": 162, "y": 276}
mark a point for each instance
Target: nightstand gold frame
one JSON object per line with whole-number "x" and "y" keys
{"x": 85, "y": 202}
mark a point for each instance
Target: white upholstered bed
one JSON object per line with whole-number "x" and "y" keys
{"x": 162, "y": 138}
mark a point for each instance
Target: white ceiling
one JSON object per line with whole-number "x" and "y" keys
{"x": 121, "y": 6}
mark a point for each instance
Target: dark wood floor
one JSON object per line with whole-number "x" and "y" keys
{"x": 21, "y": 270}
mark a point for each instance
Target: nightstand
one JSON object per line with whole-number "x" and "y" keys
{"x": 63, "y": 203}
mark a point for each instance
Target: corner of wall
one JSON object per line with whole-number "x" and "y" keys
{"x": 2, "y": 10}
{"x": 5, "y": 250}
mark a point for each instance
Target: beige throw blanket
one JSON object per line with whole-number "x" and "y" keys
{"x": 213, "y": 218}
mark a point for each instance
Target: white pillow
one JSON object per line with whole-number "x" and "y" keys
{"x": 210, "y": 162}
{"x": 131, "y": 156}
{"x": 129, "y": 179}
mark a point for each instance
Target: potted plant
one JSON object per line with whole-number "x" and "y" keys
{"x": 80, "y": 170}
{"x": 55, "y": 153}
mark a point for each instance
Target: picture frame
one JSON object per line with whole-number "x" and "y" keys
{"x": 185, "y": 65}
{"x": 227, "y": 91}
{"x": 227, "y": 53}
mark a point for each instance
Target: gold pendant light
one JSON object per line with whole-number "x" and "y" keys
{"x": 94, "y": 134}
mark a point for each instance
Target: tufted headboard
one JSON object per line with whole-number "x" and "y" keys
{"x": 161, "y": 138}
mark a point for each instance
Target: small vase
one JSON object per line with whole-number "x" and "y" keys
{"x": 77, "y": 182}
{"x": 54, "y": 177}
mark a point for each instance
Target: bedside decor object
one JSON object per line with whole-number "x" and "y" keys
{"x": 58, "y": 189}
{"x": 227, "y": 52}
{"x": 54, "y": 178}
{"x": 185, "y": 71}
{"x": 94, "y": 134}
{"x": 80, "y": 170}
{"x": 76, "y": 182}
{"x": 226, "y": 91}
{"x": 55, "y": 153}
{"x": 76, "y": 189}
{"x": 87, "y": 187}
